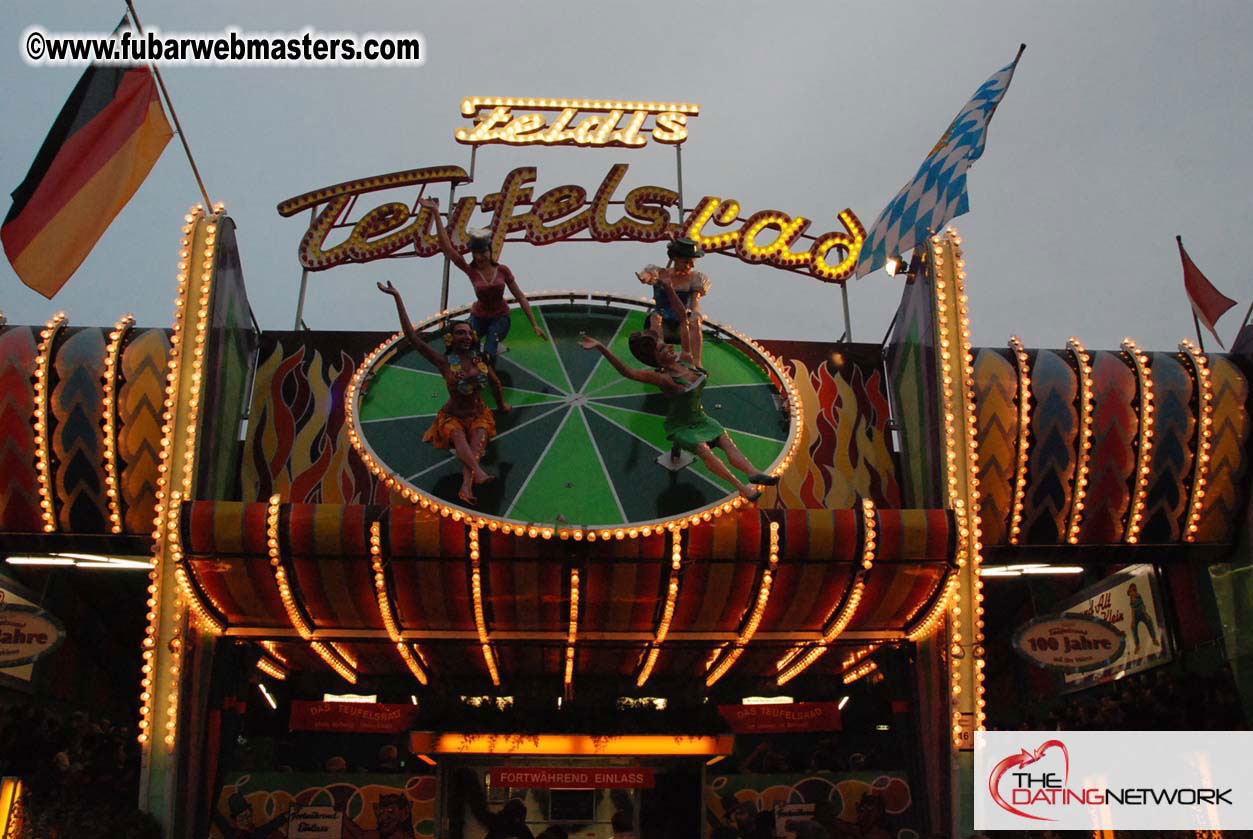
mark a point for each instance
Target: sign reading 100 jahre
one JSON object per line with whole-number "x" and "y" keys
{"x": 1071, "y": 643}
{"x": 401, "y": 228}
{"x": 27, "y": 633}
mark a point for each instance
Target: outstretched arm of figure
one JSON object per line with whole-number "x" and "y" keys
{"x": 445, "y": 242}
{"x": 690, "y": 336}
{"x": 438, "y": 361}
{"x": 651, "y": 377}
{"x": 526, "y": 306}
{"x": 494, "y": 383}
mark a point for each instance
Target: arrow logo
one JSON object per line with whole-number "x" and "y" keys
{"x": 1025, "y": 758}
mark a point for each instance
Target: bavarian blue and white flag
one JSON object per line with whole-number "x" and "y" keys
{"x": 937, "y": 194}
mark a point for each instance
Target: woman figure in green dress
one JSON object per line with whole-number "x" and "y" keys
{"x": 680, "y": 377}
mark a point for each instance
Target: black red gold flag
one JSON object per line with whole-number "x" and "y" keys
{"x": 104, "y": 142}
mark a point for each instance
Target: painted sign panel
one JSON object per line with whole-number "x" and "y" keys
{"x": 571, "y": 777}
{"x": 27, "y": 633}
{"x": 1131, "y": 601}
{"x": 358, "y": 717}
{"x": 772, "y": 719}
{"x": 1072, "y": 643}
{"x": 273, "y": 805}
{"x": 318, "y": 821}
{"x": 878, "y": 805}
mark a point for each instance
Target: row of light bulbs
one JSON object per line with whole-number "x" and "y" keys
{"x": 1084, "y": 362}
{"x": 1204, "y": 437}
{"x": 160, "y": 513}
{"x": 790, "y": 667}
{"x": 386, "y": 608}
{"x": 1144, "y": 441}
{"x": 754, "y": 619}
{"x": 667, "y": 612}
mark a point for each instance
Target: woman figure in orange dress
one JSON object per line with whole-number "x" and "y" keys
{"x": 464, "y": 424}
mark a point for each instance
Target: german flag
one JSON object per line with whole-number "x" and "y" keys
{"x": 101, "y": 147}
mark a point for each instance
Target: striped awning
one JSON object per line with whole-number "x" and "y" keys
{"x": 420, "y": 575}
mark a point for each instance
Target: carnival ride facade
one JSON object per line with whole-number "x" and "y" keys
{"x": 330, "y": 540}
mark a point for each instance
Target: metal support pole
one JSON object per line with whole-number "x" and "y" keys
{"x": 452, "y": 191}
{"x": 304, "y": 282}
{"x": 848, "y": 325}
{"x": 678, "y": 165}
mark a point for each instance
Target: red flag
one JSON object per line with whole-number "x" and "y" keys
{"x": 101, "y": 147}
{"x": 1208, "y": 303}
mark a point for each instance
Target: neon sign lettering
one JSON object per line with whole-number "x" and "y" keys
{"x": 602, "y": 125}
{"x": 560, "y": 214}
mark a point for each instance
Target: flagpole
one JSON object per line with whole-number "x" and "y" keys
{"x": 173, "y": 115}
{"x": 1197, "y": 323}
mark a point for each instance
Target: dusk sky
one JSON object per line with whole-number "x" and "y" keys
{"x": 1127, "y": 123}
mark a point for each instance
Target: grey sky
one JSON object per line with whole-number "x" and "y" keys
{"x": 1127, "y": 122}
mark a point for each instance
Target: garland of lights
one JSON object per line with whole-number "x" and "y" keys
{"x": 172, "y": 380}
{"x": 1144, "y": 441}
{"x": 667, "y": 613}
{"x": 205, "y": 617}
{"x": 1204, "y": 435}
{"x": 386, "y": 609}
{"x": 1024, "y": 431}
{"x": 43, "y": 462}
{"x": 109, "y": 418}
{"x": 845, "y": 616}
{"x": 475, "y": 520}
{"x": 480, "y": 621}
{"x": 754, "y": 618}
{"x": 1085, "y": 438}
{"x": 972, "y": 477}
{"x": 271, "y": 668}
{"x": 572, "y": 634}
{"x": 333, "y": 657}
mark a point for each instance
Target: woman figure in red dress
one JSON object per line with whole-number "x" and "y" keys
{"x": 464, "y": 424}
{"x": 489, "y": 316}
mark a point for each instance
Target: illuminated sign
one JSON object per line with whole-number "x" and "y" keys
{"x": 1072, "y": 643}
{"x": 560, "y": 214}
{"x": 577, "y": 122}
{"x": 27, "y": 633}
{"x": 572, "y": 777}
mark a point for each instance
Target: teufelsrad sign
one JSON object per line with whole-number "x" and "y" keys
{"x": 402, "y": 228}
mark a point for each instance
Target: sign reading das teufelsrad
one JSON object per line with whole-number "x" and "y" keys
{"x": 767, "y": 237}
{"x": 27, "y": 633}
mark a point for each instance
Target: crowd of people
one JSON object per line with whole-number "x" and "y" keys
{"x": 1153, "y": 700}
{"x": 80, "y": 775}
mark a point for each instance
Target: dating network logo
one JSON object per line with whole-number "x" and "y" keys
{"x": 1035, "y": 786}
{"x": 1022, "y": 793}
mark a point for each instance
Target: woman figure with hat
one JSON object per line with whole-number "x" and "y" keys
{"x": 680, "y": 377}
{"x": 464, "y": 423}
{"x": 489, "y": 316}
{"x": 689, "y": 284}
